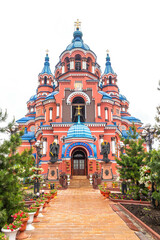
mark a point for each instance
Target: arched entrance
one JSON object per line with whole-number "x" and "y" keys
{"x": 79, "y": 162}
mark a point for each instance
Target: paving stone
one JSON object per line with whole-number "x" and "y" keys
{"x": 78, "y": 214}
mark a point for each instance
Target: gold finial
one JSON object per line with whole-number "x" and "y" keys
{"x": 107, "y": 51}
{"x": 47, "y": 51}
{"x": 77, "y": 24}
{"x": 79, "y": 108}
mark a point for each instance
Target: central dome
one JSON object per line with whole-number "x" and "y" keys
{"x": 79, "y": 130}
{"x": 77, "y": 41}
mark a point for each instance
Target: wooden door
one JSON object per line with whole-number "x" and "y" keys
{"x": 78, "y": 163}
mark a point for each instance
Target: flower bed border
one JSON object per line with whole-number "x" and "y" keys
{"x": 148, "y": 229}
{"x": 130, "y": 201}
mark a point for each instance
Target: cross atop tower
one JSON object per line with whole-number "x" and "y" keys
{"x": 79, "y": 110}
{"x": 77, "y": 24}
{"x": 47, "y": 51}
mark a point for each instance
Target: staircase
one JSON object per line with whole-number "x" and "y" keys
{"x": 79, "y": 182}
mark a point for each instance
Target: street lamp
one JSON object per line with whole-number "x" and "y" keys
{"x": 148, "y": 135}
{"x": 38, "y": 146}
{"x": 13, "y": 128}
{"x": 121, "y": 146}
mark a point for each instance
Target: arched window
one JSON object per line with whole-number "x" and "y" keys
{"x": 110, "y": 79}
{"x": 78, "y": 102}
{"x": 77, "y": 62}
{"x": 67, "y": 64}
{"x": 89, "y": 64}
{"x": 45, "y": 80}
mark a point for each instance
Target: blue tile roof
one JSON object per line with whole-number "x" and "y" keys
{"x": 33, "y": 98}
{"x": 25, "y": 119}
{"x": 105, "y": 95}
{"x": 51, "y": 95}
{"x": 28, "y": 136}
{"x": 131, "y": 119}
{"x": 122, "y": 97}
{"x": 79, "y": 130}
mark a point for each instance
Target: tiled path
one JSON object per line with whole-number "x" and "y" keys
{"x": 81, "y": 214}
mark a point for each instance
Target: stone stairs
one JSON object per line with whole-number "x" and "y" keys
{"x": 79, "y": 182}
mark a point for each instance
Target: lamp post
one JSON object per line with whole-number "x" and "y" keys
{"x": 14, "y": 128}
{"x": 148, "y": 135}
{"x": 38, "y": 146}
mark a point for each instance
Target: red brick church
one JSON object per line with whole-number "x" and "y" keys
{"x": 77, "y": 107}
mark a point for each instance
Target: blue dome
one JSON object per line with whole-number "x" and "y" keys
{"x": 105, "y": 95}
{"x": 51, "y": 95}
{"x": 77, "y": 41}
{"x": 79, "y": 130}
{"x": 122, "y": 97}
{"x": 108, "y": 68}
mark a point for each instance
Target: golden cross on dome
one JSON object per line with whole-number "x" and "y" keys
{"x": 79, "y": 108}
{"x": 47, "y": 51}
{"x": 77, "y": 24}
{"x": 107, "y": 51}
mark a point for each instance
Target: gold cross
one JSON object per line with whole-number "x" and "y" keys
{"x": 107, "y": 51}
{"x": 79, "y": 108}
{"x": 77, "y": 24}
{"x": 47, "y": 51}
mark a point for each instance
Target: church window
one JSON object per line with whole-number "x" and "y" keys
{"x": 110, "y": 79}
{"x": 67, "y": 64}
{"x": 57, "y": 114}
{"x": 107, "y": 81}
{"x": 45, "y": 80}
{"x": 50, "y": 114}
{"x": 106, "y": 114}
{"x": 117, "y": 111}
{"x": 42, "y": 81}
{"x": 99, "y": 110}
{"x": 89, "y": 64}
{"x": 77, "y": 62}
{"x": 78, "y": 102}
{"x": 111, "y": 115}
{"x": 32, "y": 109}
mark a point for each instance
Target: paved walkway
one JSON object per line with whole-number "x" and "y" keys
{"x": 81, "y": 214}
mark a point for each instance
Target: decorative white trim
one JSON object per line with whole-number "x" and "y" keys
{"x": 48, "y": 101}
{"x": 78, "y": 94}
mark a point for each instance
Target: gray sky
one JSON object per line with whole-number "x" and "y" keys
{"x": 129, "y": 29}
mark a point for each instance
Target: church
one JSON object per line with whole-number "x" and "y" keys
{"x": 79, "y": 109}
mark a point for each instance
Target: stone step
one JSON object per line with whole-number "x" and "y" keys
{"x": 79, "y": 177}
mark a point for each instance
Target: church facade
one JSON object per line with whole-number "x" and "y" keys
{"x": 78, "y": 108}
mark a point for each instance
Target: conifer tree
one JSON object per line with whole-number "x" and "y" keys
{"x": 13, "y": 167}
{"x": 131, "y": 161}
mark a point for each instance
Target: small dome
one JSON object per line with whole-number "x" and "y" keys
{"x": 79, "y": 130}
{"x": 33, "y": 98}
{"x": 51, "y": 95}
{"x": 77, "y": 41}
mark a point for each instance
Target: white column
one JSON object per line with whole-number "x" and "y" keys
{"x": 84, "y": 64}
{"x": 71, "y": 63}
{"x": 50, "y": 114}
{"x": 57, "y": 115}
{"x": 106, "y": 113}
{"x": 99, "y": 110}
{"x": 44, "y": 147}
{"x": 93, "y": 67}
{"x": 113, "y": 145}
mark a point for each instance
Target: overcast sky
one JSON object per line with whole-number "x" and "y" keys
{"x": 129, "y": 29}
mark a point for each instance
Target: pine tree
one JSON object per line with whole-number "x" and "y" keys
{"x": 131, "y": 161}
{"x": 13, "y": 167}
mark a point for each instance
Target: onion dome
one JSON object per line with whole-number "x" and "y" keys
{"x": 79, "y": 130}
{"x": 108, "y": 68}
{"x": 46, "y": 68}
{"x": 77, "y": 41}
